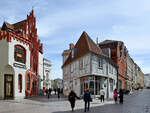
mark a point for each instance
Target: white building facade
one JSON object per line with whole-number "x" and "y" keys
{"x": 91, "y": 70}
{"x": 46, "y": 77}
{"x": 19, "y": 48}
{"x": 147, "y": 80}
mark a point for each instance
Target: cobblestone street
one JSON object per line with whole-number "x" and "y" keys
{"x": 138, "y": 102}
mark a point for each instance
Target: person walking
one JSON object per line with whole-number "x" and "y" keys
{"x": 72, "y": 98}
{"x": 58, "y": 92}
{"x": 102, "y": 94}
{"x": 87, "y": 99}
{"x": 55, "y": 91}
{"x": 121, "y": 93}
{"x": 50, "y": 90}
{"x": 115, "y": 95}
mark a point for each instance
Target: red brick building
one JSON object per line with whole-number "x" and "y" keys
{"x": 117, "y": 52}
{"x": 20, "y": 50}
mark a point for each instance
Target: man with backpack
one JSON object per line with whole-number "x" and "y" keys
{"x": 87, "y": 99}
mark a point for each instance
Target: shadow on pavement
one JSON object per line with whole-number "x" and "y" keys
{"x": 45, "y": 99}
{"x": 109, "y": 108}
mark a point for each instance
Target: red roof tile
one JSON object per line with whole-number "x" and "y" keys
{"x": 84, "y": 45}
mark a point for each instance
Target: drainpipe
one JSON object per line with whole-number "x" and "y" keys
{"x": 108, "y": 88}
{"x": 107, "y": 81}
{"x": 117, "y": 78}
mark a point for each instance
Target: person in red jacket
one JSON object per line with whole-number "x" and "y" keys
{"x": 115, "y": 95}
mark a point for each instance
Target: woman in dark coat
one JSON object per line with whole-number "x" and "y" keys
{"x": 72, "y": 98}
{"x": 121, "y": 93}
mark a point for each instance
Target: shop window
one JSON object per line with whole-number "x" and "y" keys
{"x": 28, "y": 82}
{"x": 20, "y": 83}
{"x": 20, "y": 54}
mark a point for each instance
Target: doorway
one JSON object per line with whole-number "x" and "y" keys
{"x": 8, "y": 86}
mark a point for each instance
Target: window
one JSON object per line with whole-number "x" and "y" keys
{"x": 28, "y": 82}
{"x": 44, "y": 77}
{"x": 47, "y": 76}
{"x": 81, "y": 63}
{"x": 112, "y": 69}
{"x": 100, "y": 63}
{"x": 20, "y": 83}
{"x": 109, "y": 68}
{"x": 20, "y": 54}
{"x": 71, "y": 68}
{"x": 111, "y": 84}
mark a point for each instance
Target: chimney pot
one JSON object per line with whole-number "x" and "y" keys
{"x": 71, "y": 46}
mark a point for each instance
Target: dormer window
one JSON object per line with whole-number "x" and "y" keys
{"x": 73, "y": 52}
{"x": 20, "y": 54}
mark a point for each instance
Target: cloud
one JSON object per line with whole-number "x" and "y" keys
{"x": 62, "y": 22}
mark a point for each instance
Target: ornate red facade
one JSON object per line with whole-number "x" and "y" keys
{"x": 26, "y": 32}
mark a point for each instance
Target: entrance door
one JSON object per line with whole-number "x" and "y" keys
{"x": 8, "y": 86}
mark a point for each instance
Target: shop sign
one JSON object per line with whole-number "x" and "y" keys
{"x": 19, "y": 65}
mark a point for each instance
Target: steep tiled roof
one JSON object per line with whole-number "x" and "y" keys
{"x": 15, "y": 26}
{"x": 19, "y": 25}
{"x": 108, "y": 42}
{"x": 84, "y": 45}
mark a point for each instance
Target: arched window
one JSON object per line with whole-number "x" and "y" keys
{"x": 28, "y": 82}
{"x": 20, "y": 83}
{"x": 20, "y": 54}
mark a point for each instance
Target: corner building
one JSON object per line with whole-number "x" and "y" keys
{"x": 86, "y": 66}
{"x": 20, "y": 54}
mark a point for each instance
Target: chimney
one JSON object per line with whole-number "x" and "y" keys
{"x": 71, "y": 46}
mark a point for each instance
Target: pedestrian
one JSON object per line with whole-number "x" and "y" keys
{"x": 121, "y": 93}
{"x": 50, "y": 90}
{"x": 55, "y": 91}
{"x": 72, "y": 98}
{"x": 58, "y": 92}
{"x": 102, "y": 94}
{"x": 87, "y": 99}
{"x": 46, "y": 91}
{"x": 115, "y": 95}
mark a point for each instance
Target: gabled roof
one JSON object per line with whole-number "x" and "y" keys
{"x": 13, "y": 27}
{"x": 6, "y": 26}
{"x": 19, "y": 25}
{"x": 84, "y": 45}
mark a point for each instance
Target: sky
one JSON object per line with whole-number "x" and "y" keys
{"x": 61, "y": 22}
